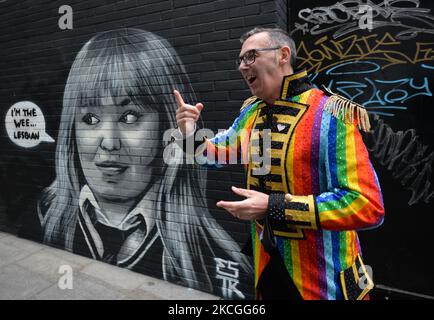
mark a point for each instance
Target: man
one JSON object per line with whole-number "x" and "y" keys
{"x": 320, "y": 186}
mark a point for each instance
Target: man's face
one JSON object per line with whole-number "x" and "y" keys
{"x": 264, "y": 76}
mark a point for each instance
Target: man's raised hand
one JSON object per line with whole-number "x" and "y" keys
{"x": 186, "y": 114}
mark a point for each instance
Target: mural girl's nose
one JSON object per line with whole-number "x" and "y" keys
{"x": 110, "y": 143}
{"x": 110, "y": 137}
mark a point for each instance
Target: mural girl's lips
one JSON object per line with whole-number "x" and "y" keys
{"x": 111, "y": 167}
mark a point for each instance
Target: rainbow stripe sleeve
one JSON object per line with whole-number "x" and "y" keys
{"x": 229, "y": 146}
{"x": 349, "y": 195}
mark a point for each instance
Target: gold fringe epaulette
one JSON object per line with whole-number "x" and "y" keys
{"x": 348, "y": 111}
{"x": 249, "y": 101}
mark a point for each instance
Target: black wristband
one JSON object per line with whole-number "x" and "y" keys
{"x": 276, "y": 206}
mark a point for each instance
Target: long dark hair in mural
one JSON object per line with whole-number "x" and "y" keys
{"x": 114, "y": 198}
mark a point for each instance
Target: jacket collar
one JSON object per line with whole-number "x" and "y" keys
{"x": 295, "y": 84}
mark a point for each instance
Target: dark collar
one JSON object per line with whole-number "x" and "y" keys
{"x": 295, "y": 84}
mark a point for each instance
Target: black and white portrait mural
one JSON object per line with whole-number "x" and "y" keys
{"x": 114, "y": 197}
{"x": 113, "y": 194}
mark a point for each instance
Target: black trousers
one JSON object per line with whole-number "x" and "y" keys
{"x": 275, "y": 282}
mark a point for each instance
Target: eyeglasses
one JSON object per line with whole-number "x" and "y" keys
{"x": 250, "y": 56}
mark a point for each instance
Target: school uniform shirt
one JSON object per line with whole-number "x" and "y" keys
{"x": 133, "y": 244}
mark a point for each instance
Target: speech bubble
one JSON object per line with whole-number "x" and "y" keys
{"x": 25, "y": 125}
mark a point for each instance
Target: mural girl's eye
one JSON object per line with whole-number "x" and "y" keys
{"x": 130, "y": 117}
{"x": 90, "y": 119}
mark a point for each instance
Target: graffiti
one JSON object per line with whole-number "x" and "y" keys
{"x": 405, "y": 157}
{"x": 356, "y": 67}
{"x": 227, "y": 271}
{"x": 345, "y": 17}
{"x": 375, "y": 94}
{"x": 427, "y": 66}
{"x": 326, "y": 53}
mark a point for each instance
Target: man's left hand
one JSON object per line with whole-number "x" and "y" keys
{"x": 252, "y": 208}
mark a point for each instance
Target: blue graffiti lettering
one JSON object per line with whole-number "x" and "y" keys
{"x": 357, "y": 67}
{"x": 378, "y": 96}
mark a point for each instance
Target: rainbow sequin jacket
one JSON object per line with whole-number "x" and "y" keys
{"x": 316, "y": 154}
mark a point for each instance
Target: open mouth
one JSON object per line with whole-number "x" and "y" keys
{"x": 250, "y": 79}
{"x": 111, "y": 168}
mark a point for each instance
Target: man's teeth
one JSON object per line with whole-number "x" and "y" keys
{"x": 250, "y": 79}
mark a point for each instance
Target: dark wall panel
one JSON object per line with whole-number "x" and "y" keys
{"x": 380, "y": 54}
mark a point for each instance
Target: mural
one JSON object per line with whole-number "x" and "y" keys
{"x": 93, "y": 181}
{"x": 114, "y": 199}
{"x": 380, "y": 54}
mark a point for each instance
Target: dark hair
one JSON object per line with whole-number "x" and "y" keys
{"x": 278, "y": 38}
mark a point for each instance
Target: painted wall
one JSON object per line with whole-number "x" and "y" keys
{"x": 64, "y": 160}
{"x": 85, "y": 99}
{"x": 381, "y": 55}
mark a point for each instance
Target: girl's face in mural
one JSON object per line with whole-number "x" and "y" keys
{"x": 117, "y": 142}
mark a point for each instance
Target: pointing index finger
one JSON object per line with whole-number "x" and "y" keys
{"x": 179, "y": 101}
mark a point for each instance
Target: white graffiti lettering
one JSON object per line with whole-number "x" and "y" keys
{"x": 405, "y": 156}
{"x": 227, "y": 271}
{"x": 347, "y": 16}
